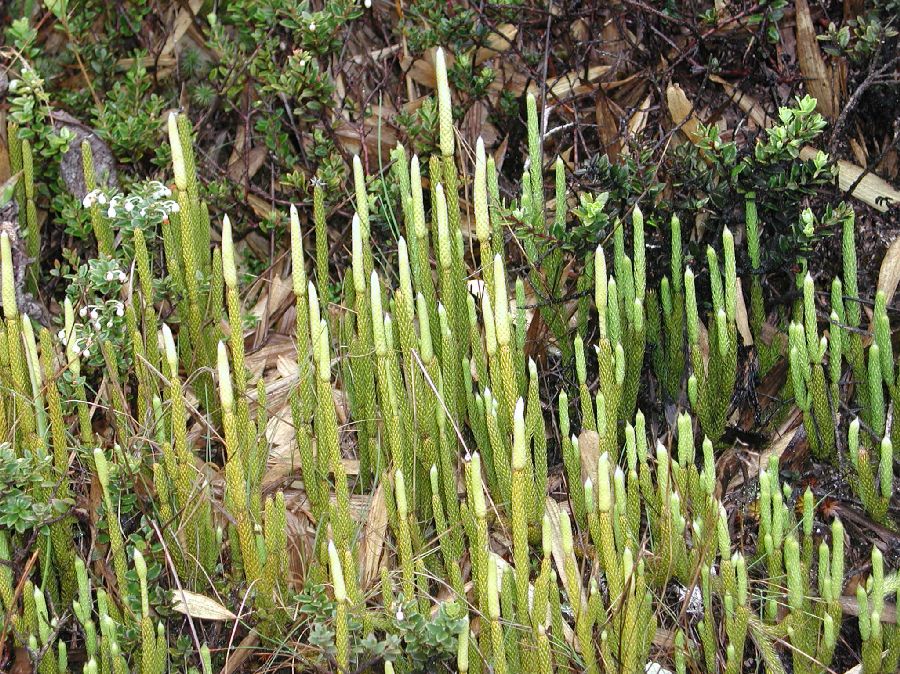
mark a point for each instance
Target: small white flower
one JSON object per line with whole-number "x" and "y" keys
{"x": 110, "y": 276}
{"x": 399, "y": 614}
{"x": 94, "y": 314}
{"x": 119, "y": 312}
{"x": 101, "y": 198}
{"x": 109, "y": 323}
{"x": 82, "y": 312}
{"x": 143, "y": 211}
{"x": 129, "y": 206}
{"x": 367, "y": 4}
{"x": 86, "y": 353}
{"x": 89, "y": 199}
{"x": 76, "y": 351}
{"x": 175, "y": 208}
{"x": 61, "y": 334}
{"x": 166, "y": 192}
{"x": 111, "y": 212}
{"x": 13, "y": 85}
{"x": 97, "y": 325}
{"x": 122, "y": 277}
{"x": 312, "y": 26}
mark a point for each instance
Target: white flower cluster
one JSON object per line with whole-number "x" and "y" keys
{"x": 157, "y": 200}
{"x": 81, "y": 345}
{"x": 93, "y": 315}
{"x": 93, "y": 197}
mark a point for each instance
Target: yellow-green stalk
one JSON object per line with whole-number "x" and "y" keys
{"x": 116, "y": 541}
{"x": 521, "y": 497}
{"x": 404, "y": 543}
{"x": 341, "y": 626}
{"x": 236, "y": 497}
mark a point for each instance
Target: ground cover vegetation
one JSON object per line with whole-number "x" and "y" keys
{"x": 415, "y": 381}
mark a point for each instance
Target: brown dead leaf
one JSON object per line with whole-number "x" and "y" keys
{"x": 510, "y": 78}
{"x": 500, "y": 39}
{"x": 241, "y": 652}
{"x": 607, "y": 125}
{"x": 274, "y": 302}
{"x": 615, "y": 44}
{"x": 373, "y": 537}
{"x": 859, "y": 151}
{"x": 200, "y": 606}
{"x": 753, "y": 108}
{"x": 379, "y": 138}
{"x": 4, "y": 151}
{"x": 681, "y": 110}
{"x": 245, "y": 165}
{"x": 183, "y": 21}
{"x": 889, "y": 274}
{"x": 559, "y": 557}
{"x": 589, "y": 451}
{"x": 572, "y": 83}
{"x": 741, "y": 317}
{"x": 638, "y": 120}
{"x": 260, "y": 206}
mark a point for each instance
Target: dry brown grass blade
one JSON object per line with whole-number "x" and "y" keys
{"x": 277, "y": 296}
{"x": 819, "y": 78}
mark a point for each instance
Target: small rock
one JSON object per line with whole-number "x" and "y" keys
{"x": 9, "y": 223}
{"x": 71, "y": 166}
